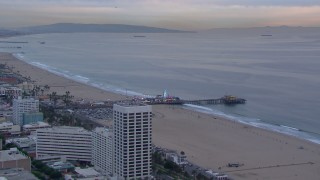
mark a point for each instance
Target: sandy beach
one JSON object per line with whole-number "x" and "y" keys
{"x": 208, "y": 141}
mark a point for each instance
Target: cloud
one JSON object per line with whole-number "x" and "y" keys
{"x": 181, "y": 2}
{"x": 178, "y": 14}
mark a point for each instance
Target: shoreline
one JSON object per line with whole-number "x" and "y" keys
{"x": 278, "y": 128}
{"x": 208, "y": 140}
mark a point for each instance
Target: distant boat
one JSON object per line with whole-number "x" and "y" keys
{"x": 266, "y": 35}
{"x": 139, "y": 36}
{"x": 42, "y": 42}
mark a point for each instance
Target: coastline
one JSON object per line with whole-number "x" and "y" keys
{"x": 207, "y": 140}
{"x": 284, "y": 129}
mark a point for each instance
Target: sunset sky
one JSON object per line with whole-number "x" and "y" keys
{"x": 176, "y": 14}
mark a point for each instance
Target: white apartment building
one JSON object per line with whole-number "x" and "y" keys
{"x": 102, "y": 150}
{"x": 75, "y": 143}
{"x": 132, "y": 141}
{"x": 21, "y": 106}
{"x": 9, "y": 127}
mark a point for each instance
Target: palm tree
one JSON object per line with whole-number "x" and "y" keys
{"x": 35, "y": 90}
{"x": 24, "y": 94}
{"x": 67, "y": 98}
{"x": 46, "y": 87}
{"x": 53, "y": 97}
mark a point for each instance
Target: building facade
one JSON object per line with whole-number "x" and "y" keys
{"x": 9, "y": 127}
{"x": 21, "y": 106}
{"x": 10, "y": 91}
{"x": 32, "y": 117}
{"x": 102, "y": 150}
{"x": 132, "y": 141}
{"x": 13, "y": 158}
{"x": 75, "y": 143}
{"x": 35, "y": 126}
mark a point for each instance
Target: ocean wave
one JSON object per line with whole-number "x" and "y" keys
{"x": 80, "y": 78}
{"x": 65, "y": 74}
{"x": 208, "y": 110}
{"x": 292, "y": 131}
{"x": 284, "y": 129}
{"x": 116, "y": 90}
{"x": 290, "y": 127}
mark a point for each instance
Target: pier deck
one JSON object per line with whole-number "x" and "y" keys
{"x": 228, "y": 100}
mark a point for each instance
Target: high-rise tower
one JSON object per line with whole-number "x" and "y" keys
{"x": 132, "y": 141}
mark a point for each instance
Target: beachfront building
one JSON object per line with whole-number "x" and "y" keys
{"x": 132, "y": 141}
{"x": 102, "y": 150}
{"x": 178, "y": 159}
{"x": 13, "y": 158}
{"x": 75, "y": 143}
{"x": 21, "y": 106}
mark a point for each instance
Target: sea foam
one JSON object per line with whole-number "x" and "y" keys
{"x": 284, "y": 129}
{"x": 256, "y": 123}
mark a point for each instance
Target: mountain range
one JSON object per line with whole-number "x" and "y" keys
{"x": 93, "y": 28}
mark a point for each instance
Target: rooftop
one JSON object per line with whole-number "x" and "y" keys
{"x": 23, "y": 142}
{"x": 12, "y": 154}
{"x": 25, "y": 100}
{"x": 87, "y": 172}
{"x": 6, "y": 124}
{"x": 36, "y": 124}
{"x": 132, "y": 107}
{"x": 64, "y": 129}
{"x": 104, "y": 131}
{"x": 16, "y": 174}
{"x": 60, "y": 165}
{"x": 130, "y": 104}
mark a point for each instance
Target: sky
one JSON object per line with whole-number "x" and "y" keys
{"x": 174, "y": 14}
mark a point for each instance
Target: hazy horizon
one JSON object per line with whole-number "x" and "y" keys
{"x": 178, "y": 14}
{"x": 279, "y": 26}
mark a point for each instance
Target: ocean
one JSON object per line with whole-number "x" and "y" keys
{"x": 279, "y": 75}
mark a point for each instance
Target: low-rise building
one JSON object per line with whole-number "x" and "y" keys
{"x": 9, "y": 127}
{"x": 61, "y": 166}
{"x": 85, "y": 174}
{"x": 25, "y": 142}
{"x": 13, "y": 158}
{"x": 34, "y": 126}
{"x": 10, "y": 91}
{"x": 16, "y": 174}
{"x": 73, "y": 142}
{"x": 5, "y": 112}
{"x": 215, "y": 176}
{"x": 178, "y": 159}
